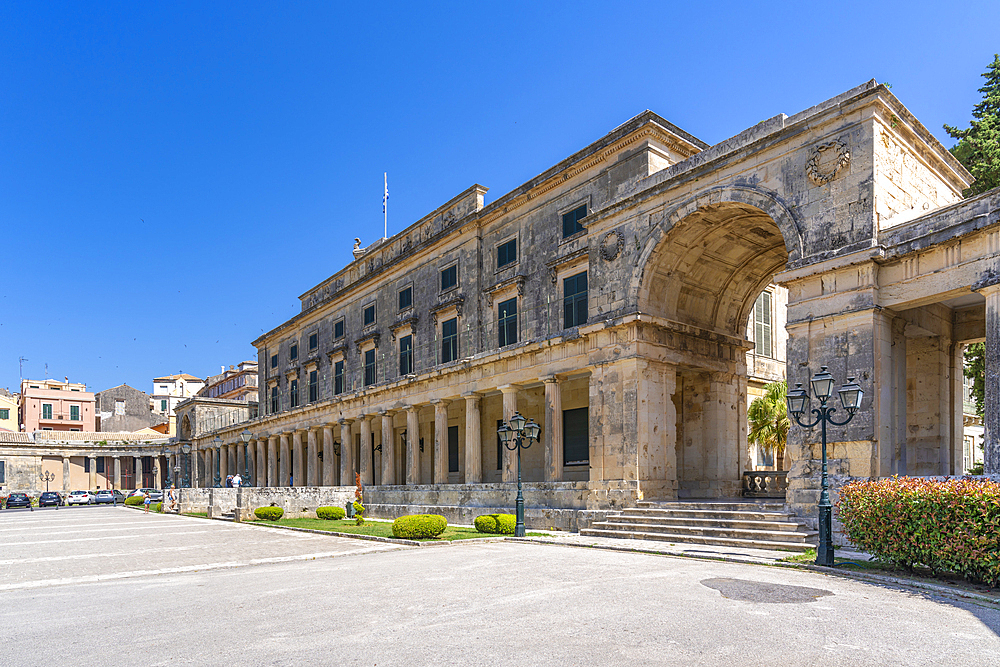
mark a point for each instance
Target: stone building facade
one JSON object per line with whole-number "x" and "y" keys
{"x": 125, "y": 408}
{"x": 609, "y": 298}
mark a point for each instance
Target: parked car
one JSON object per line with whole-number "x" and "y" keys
{"x": 108, "y": 497}
{"x": 155, "y": 495}
{"x": 78, "y": 498}
{"x": 49, "y": 499}
{"x": 21, "y": 500}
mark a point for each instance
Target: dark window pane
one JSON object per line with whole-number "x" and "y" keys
{"x": 100, "y": 465}
{"x": 449, "y": 277}
{"x": 507, "y": 322}
{"x": 338, "y": 377}
{"x": 571, "y": 221}
{"x": 452, "y": 449}
{"x": 369, "y": 367}
{"x": 274, "y": 399}
{"x": 312, "y": 341}
{"x": 294, "y": 394}
{"x": 369, "y": 315}
{"x": 406, "y": 355}
{"x": 293, "y": 352}
{"x": 406, "y": 298}
{"x": 338, "y": 329}
{"x": 449, "y": 340}
{"x": 507, "y": 253}
{"x": 274, "y": 361}
{"x": 313, "y": 386}
{"x": 576, "y": 437}
{"x": 575, "y": 300}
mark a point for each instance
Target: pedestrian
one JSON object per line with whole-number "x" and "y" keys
{"x": 236, "y": 481}
{"x": 229, "y": 481}
{"x": 146, "y": 499}
{"x": 172, "y": 496}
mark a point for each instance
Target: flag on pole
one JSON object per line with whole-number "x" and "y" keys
{"x": 385, "y": 201}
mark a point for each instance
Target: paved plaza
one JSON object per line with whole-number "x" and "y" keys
{"x": 97, "y": 585}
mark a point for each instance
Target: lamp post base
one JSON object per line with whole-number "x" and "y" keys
{"x": 824, "y": 554}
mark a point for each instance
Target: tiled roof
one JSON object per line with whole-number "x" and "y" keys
{"x": 109, "y": 436}
{"x": 177, "y": 376}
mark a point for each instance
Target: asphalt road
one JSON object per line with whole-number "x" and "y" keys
{"x": 113, "y": 586}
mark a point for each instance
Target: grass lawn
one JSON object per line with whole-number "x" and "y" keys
{"x": 203, "y": 515}
{"x": 376, "y": 528}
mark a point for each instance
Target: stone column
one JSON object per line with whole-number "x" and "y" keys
{"x": 991, "y": 446}
{"x": 223, "y": 462}
{"x": 552, "y": 430}
{"x": 440, "y": 441}
{"x": 365, "y": 464}
{"x": 298, "y": 467}
{"x": 273, "y": 476}
{"x": 65, "y": 474}
{"x": 509, "y": 408}
{"x": 241, "y": 463}
{"x": 195, "y": 468}
{"x": 388, "y": 450}
{"x": 473, "y": 439}
{"x": 328, "y": 456}
{"x": 118, "y": 472}
{"x": 93, "y": 470}
{"x": 312, "y": 458}
{"x": 158, "y": 464}
{"x": 412, "y": 445}
{"x": 260, "y": 470}
{"x": 285, "y": 458}
{"x": 137, "y": 482}
{"x": 346, "y": 454}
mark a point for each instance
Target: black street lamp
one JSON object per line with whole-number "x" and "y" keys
{"x": 47, "y": 477}
{"x": 246, "y": 436}
{"x": 218, "y": 461}
{"x": 186, "y": 451}
{"x": 798, "y": 403}
{"x": 513, "y": 437}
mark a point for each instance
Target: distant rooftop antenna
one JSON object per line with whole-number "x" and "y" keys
{"x": 20, "y": 366}
{"x": 46, "y": 371}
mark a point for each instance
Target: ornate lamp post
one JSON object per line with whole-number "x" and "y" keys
{"x": 218, "y": 460}
{"x": 156, "y": 472}
{"x": 47, "y": 477}
{"x": 798, "y": 403}
{"x": 186, "y": 451}
{"x": 513, "y": 437}
{"x": 246, "y": 436}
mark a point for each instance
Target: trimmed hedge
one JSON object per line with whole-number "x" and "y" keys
{"x": 135, "y": 500}
{"x": 419, "y": 526}
{"x": 496, "y": 524}
{"x": 330, "y": 513}
{"x": 946, "y": 526}
{"x": 156, "y": 507}
{"x": 269, "y": 513}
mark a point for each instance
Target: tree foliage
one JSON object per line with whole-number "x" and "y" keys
{"x": 767, "y": 419}
{"x": 975, "y": 370}
{"x": 978, "y": 147}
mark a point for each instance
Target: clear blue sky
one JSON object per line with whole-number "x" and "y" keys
{"x": 174, "y": 175}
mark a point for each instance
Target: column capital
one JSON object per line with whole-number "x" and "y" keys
{"x": 344, "y": 421}
{"x": 411, "y": 408}
{"x": 440, "y": 401}
{"x": 468, "y": 395}
{"x": 549, "y": 378}
{"x": 509, "y": 388}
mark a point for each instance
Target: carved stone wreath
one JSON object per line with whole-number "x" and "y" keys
{"x": 843, "y": 159}
{"x": 611, "y": 251}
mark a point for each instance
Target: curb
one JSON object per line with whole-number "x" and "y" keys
{"x": 901, "y": 581}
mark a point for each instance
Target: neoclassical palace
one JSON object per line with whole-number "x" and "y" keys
{"x": 608, "y": 299}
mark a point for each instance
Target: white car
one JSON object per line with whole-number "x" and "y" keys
{"x": 79, "y": 498}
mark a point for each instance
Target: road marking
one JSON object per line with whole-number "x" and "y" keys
{"x": 106, "y": 537}
{"x": 100, "y": 554}
{"x": 119, "y": 527}
{"x": 97, "y": 578}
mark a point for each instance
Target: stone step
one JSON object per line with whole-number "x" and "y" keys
{"x": 707, "y": 531}
{"x": 708, "y": 514}
{"x": 743, "y": 524}
{"x": 714, "y": 505}
{"x": 699, "y": 539}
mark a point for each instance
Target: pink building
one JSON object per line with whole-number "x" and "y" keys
{"x": 51, "y": 405}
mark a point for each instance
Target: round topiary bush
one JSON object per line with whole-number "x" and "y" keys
{"x": 135, "y": 500}
{"x": 269, "y": 513}
{"x": 419, "y": 526}
{"x": 496, "y": 524}
{"x": 156, "y": 507}
{"x": 330, "y": 513}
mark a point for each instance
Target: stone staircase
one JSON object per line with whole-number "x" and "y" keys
{"x": 744, "y": 523}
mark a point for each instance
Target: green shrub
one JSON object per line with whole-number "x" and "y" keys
{"x": 946, "y": 526}
{"x": 496, "y": 524}
{"x": 419, "y": 526}
{"x": 135, "y": 500}
{"x": 271, "y": 513}
{"x": 359, "y": 513}
{"x": 330, "y": 513}
{"x": 156, "y": 507}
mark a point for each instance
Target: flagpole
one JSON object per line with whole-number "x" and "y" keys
{"x": 385, "y": 206}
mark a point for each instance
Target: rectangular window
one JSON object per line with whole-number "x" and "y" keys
{"x": 571, "y": 221}
{"x": 5, "y": 413}
{"x": 452, "y": 449}
{"x": 293, "y": 352}
{"x": 762, "y": 325}
{"x": 3, "y": 472}
{"x": 449, "y": 340}
{"x": 449, "y": 277}
{"x": 47, "y": 410}
{"x": 338, "y": 377}
{"x": 86, "y": 464}
{"x": 74, "y": 413}
{"x": 369, "y": 315}
{"x": 369, "y": 367}
{"x": 274, "y": 361}
{"x": 163, "y": 405}
{"x": 507, "y": 322}
{"x": 293, "y": 394}
{"x": 507, "y": 253}
{"x": 338, "y": 328}
{"x": 406, "y": 355}
{"x": 313, "y": 341}
{"x": 576, "y": 437}
{"x": 274, "y": 399}
{"x": 313, "y": 386}
{"x": 575, "y": 300}
{"x": 405, "y": 298}
{"x": 101, "y": 465}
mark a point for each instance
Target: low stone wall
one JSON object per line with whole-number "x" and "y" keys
{"x": 535, "y": 518}
{"x": 552, "y": 495}
{"x": 298, "y": 501}
{"x": 193, "y": 500}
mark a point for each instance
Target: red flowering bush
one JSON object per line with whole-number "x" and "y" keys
{"x": 946, "y": 526}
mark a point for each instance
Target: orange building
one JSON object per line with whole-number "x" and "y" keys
{"x": 51, "y": 405}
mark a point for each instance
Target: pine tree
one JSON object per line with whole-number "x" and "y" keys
{"x": 978, "y": 147}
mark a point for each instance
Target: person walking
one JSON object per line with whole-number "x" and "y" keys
{"x": 172, "y": 497}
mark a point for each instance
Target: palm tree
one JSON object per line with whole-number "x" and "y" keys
{"x": 768, "y": 421}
